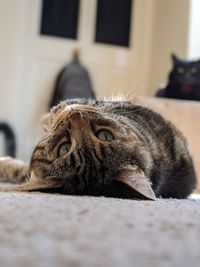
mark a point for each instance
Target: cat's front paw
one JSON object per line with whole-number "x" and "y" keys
{"x": 7, "y": 158}
{"x": 12, "y": 170}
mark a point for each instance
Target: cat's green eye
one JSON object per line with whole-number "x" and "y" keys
{"x": 64, "y": 149}
{"x": 193, "y": 70}
{"x": 104, "y": 135}
{"x": 180, "y": 70}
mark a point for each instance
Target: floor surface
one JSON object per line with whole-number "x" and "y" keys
{"x": 38, "y": 229}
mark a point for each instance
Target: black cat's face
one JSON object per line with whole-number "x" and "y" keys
{"x": 185, "y": 72}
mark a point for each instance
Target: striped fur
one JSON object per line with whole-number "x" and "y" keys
{"x": 145, "y": 147}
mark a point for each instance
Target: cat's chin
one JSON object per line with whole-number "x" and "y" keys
{"x": 115, "y": 189}
{"x": 118, "y": 189}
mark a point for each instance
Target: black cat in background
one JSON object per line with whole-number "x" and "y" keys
{"x": 184, "y": 80}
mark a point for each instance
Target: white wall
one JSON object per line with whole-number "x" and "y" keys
{"x": 194, "y": 30}
{"x": 8, "y": 46}
{"x": 11, "y": 51}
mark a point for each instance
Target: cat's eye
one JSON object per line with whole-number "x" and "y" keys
{"x": 104, "y": 135}
{"x": 64, "y": 149}
{"x": 193, "y": 70}
{"x": 180, "y": 70}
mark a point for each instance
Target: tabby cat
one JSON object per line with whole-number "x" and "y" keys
{"x": 184, "y": 80}
{"x": 113, "y": 149}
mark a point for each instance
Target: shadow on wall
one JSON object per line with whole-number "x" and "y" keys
{"x": 9, "y": 139}
{"x": 73, "y": 81}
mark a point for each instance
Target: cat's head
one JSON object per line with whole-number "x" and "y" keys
{"x": 86, "y": 148}
{"x": 185, "y": 71}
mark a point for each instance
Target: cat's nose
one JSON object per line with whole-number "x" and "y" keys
{"x": 76, "y": 120}
{"x": 75, "y": 116}
{"x": 188, "y": 75}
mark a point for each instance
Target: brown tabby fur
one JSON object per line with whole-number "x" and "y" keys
{"x": 147, "y": 158}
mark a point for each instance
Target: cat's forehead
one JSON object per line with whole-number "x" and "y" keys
{"x": 188, "y": 64}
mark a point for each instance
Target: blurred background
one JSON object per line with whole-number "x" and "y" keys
{"x": 124, "y": 45}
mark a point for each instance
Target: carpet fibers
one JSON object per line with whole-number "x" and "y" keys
{"x": 38, "y": 229}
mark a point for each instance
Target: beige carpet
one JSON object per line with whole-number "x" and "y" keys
{"x": 38, "y": 229}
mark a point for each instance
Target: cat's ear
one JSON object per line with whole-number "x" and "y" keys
{"x": 33, "y": 184}
{"x": 174, "y": 59}
{"x": 47, "y": 121}
{"x": 136, "y": 179}
{"x": 49, "y": 118}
